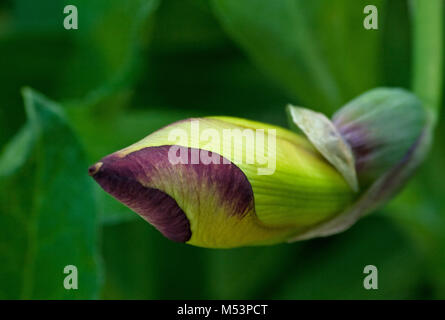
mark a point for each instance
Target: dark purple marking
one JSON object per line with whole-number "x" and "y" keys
{"x": 233, "y": 188}
{"x": 127, "y": 179}
{"x": 117, "y": 178}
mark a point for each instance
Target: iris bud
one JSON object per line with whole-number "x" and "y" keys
{"x": 222, "y": 182}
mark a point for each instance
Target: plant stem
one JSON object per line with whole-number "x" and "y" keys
{"x": 428, "y": 51}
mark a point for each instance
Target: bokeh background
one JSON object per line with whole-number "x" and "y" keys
{"x": 69, "y": 97}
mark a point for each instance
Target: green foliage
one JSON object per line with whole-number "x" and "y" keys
{"x": 337, "y": 264}
{"x": 319, "y": 51}
{"x": 46, "y": 201}
{"x": 135, "y": 66}
{"x": 81, "y": 66}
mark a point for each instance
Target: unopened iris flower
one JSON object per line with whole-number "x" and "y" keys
{"x": 222, "y": 182}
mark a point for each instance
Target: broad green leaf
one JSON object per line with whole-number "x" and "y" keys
{"x": 112, "y": 35}
{"x": 319, "y": 50}
{"x": 194, "y": 66}
{"x": 78, "y": 66}
{"x": 99, "y": 55}
{"x": 47, "y": 209}
{"x": 17, "y": 151}
{"x": 396, "y": 46}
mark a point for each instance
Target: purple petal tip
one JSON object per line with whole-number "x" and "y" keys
{"x": 118, "y": 177}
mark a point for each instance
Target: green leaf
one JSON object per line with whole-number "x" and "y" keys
{"x": 108, "y": 40}
{"x": 428, "y": 52}
{"x": 17, "y": 151}
{"x": 47, "y": 209}
{"x": 319, "y": 50}
{"x": 77, "y": 66}
{"x": 111, "y": 37}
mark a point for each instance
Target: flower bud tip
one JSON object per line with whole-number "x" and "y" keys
{"x": 94, "y": 168}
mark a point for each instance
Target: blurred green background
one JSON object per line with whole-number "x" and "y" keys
{"x": 70, "y": 97}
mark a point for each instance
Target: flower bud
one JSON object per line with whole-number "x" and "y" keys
{"x": 225, "y": 182}
{"x": 380, "y": 126}
{"x": 388, "y": 132}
